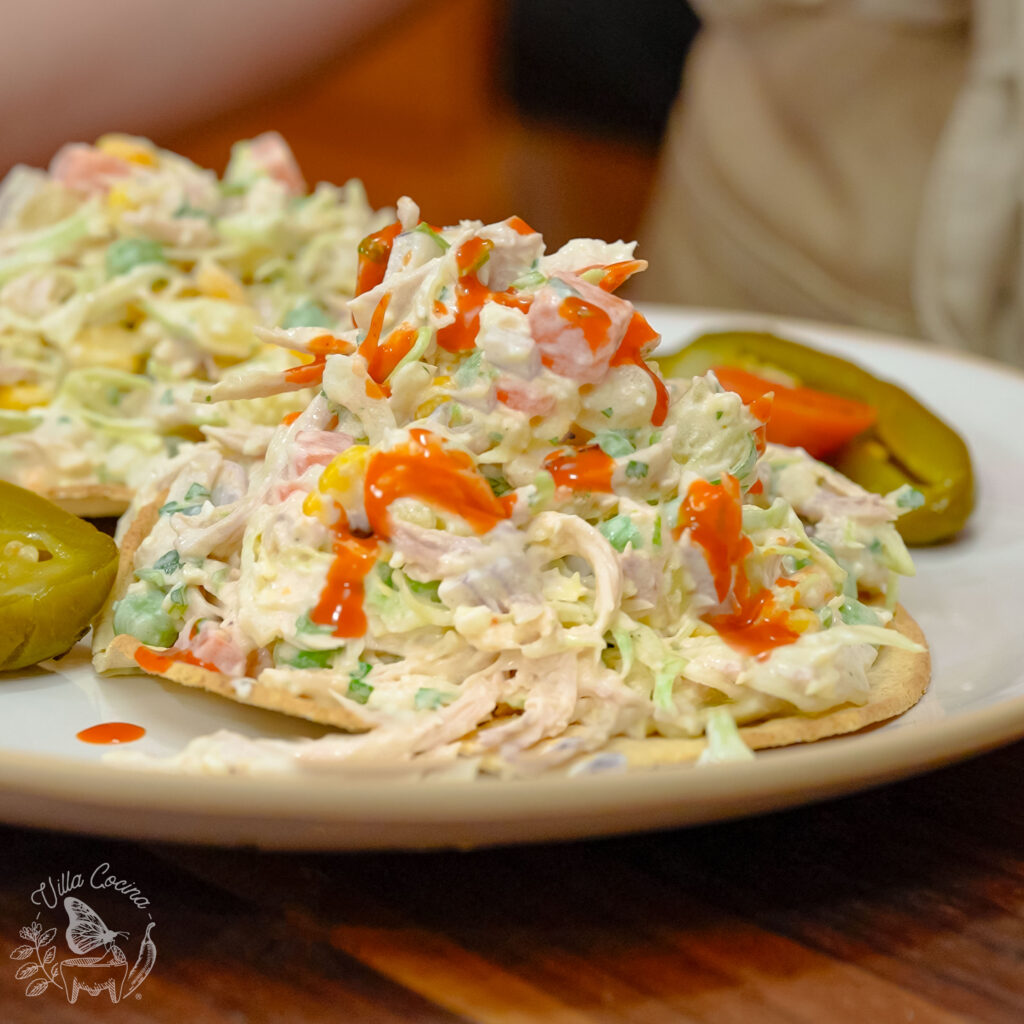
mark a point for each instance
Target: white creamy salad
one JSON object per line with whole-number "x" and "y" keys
{"x": 127, "y": 273}
{"x": 494, "y": 538}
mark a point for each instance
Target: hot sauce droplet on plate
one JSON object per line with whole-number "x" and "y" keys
{"x": 111, "y": 732}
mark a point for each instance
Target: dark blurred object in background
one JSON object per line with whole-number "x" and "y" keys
{"x": 599, "y": 66}
{"x": 591, "y": 83}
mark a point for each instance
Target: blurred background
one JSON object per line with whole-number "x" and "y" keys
{"x": 475, "y": 108}
{"x": 485, "y": 108}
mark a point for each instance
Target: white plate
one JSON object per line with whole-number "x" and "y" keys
{"x": 965, "y": 596}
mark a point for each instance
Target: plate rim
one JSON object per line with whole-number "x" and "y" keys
{"x": 332, "y": 811}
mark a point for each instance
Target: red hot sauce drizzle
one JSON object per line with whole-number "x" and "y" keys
{"x": 713, "y": 514}
{"x": 586, "y": 469}
{"x": 111, "y": 732}
{"x": 341, "y": 600}
{"x": 638, "y": 334}
{"x": 615, "y": 274}
{"x": 312, "y": 373}
{"x": 420, "y": 469}
{"x": 374, "y": 253}
{"x": 424, "y": 469}
{"x": 470, "y": 296}
{"x": 159, "y": 663}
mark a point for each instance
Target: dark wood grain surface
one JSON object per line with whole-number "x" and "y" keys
{"x": 902, "y": 904}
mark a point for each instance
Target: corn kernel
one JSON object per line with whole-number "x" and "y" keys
{"x": 124, "y": 147}
{"x": 23, "y": 396}
{"x": 215, "y": 282}
{"x": 345, "y": 469}
{"x": 803, "y": 620}
{"x": 119, "y": 200}
{"x": 427, "y": 407}
{"x": 107, "y": 345}
{"x": 311, "y": 504}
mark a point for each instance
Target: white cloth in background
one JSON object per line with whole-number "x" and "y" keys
{"x": 850, "y": 160}
{"x": 969, "y": 273}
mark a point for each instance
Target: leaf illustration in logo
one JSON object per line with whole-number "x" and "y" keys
{"x": 21, "y": 953}
{"x": 37, "y": 988}
{"x": 47, "y": 937}
{"x": 49, "y": 955}
{"x": 26, "y": 971}
{"x": 86, "y": 929}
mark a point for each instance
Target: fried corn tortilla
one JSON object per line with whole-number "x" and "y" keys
{"x": 113, "y": 653}
{"x": 91, "y": 501}
{"x": 898, "y": 678}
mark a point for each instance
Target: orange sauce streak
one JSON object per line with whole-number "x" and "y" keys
{"x": 615, "y": 274}
{"x": 158, "y": 664}
{"x": 382, "y": 358}
{"x": 755, "y": 628}
{"x": 307, "y": 374}
{"x": 519, "y": 226}
{"x": 368, "y": 348}
{"x": 341, "y": 600}
{"x": 374, "y": 253}
{"x": 713, "y": 514}
{"x": 388, "y": 355}
{"x": 638, "y": 334}
{"x": 311, "y": 373}
{"x": 470, "y": 296}
{"x": 588, "y": 469}
{"x": 328, "y": 345}
{"x": 423, "y": 469}
{"x": 111, "y": 732}
{"x": 761, "y": 409}
{"x": 593, "y": 321}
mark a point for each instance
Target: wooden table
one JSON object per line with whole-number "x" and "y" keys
{"x": 902, "y": 904}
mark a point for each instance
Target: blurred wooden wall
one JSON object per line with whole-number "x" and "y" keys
{"x": 416, "y": 109}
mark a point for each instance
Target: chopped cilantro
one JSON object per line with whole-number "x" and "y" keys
{"x": 192, "y": 503}
{"x": 168, "y": 563}
{"x": 358, "y": 689}
{"x": 429, "y": 699}
{"x": 125, "y": 254}
{"x": 425, "y": 229}
{"x": 619, "y": 531}
{"x": 614, "y": 443}
{"x": 428, "y": 589}
{"x": 178, "y": 600}
{"x": 312, "y": 659}
{"x": 856, "y": 614}
{"x": 469, "y": 368}
{"x": 636, "y": 470}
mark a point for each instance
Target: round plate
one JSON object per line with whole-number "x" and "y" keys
{"x": 964, "y": 597}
